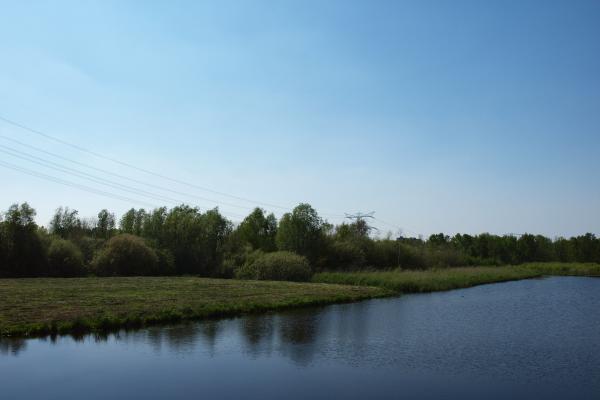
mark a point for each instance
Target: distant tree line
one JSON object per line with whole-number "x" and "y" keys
{"x": 184, "y": 240}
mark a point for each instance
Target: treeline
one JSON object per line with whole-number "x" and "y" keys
{"x": 184, "y": 240}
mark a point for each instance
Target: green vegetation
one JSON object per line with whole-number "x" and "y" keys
{"x": 186, "y": 241}
{"x": 36, "y": 306}
{"x": 277, "y": 266}
{"x": 405, "y": 281}
{"x": 76, "y": 305}
{"x": 64, "y": 259}
{"x": 125, "y": 255}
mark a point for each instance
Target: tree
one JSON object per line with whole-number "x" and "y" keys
{"x": 64, "y": 259}
{"x": 126, "y": 255}
{"x": 259, "y": 230}
{"x": 23, "y": 251}
{"x": 587, "y": 248}
{"x": 65, "y": 223}
{"x": 105, "y": 224}
{"x": 438, "y": 239}
{"x": 196, "y": 240}
{"x": 153, "y": 226}
{"x": 215, "y": 230}
{"x": 301, "y": 231}
{"x": 133, "y": 221}
{"x": 357, "y": 230}
{"x": 127, "y": 221}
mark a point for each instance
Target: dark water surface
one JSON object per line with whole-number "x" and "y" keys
{"x": 534, "y": 338}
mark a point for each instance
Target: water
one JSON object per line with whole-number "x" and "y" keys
{"x": 533, "y": 338}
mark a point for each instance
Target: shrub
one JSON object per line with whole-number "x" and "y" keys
{"x": 346, "y": 255}
{"x": 166, "y": 262}
{"x": 235, "y": 261}
{"x": 126, "y": 255}
{"x": 277, "y": 266}
{"x": 64, "y": 259}
{"x": 443, "y": 257}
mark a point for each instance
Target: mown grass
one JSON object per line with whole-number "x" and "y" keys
{"x": 41, "y": 306}
{"x": 404, "y": 281}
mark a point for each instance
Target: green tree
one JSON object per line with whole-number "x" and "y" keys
{"x": 196, "y": 240}
{"x": 587, "y": 248}
{"x": 259, "y": 230}
{"x": 24, "y": 253}
{"x": 64, "y": 259}
{"x": 105, "y": 225}
{"x": 127, "y": 222}
{"x": 302, "y": 231}
{"x": 66, "y": 223}
{"x": 153, "y": 227}
{"x": 126, "y": 255}
{"x": 133, "y": 221}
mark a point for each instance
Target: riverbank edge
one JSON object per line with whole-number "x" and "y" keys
{"x": 389, "y": 284}
{"x": 110, "y": 324}
{"x": 436, "y": 280}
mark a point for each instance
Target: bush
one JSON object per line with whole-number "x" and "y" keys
{"x": 346, "y": 255}
{"x": 443, "y": 257}
{"x": 277, "y": 266}
{"x": 166, "y": 262}
{"x": 64, "y": 259}
{"x": 126, "y": 255}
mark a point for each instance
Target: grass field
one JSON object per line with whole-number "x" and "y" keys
{"x": 40, "y": 306}
{"x": 403, "y": 281}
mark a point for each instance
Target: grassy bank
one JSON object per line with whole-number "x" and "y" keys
{"x": 41, "y": 306}
{"x": 432, "y": 280}
{"x": 66, "y": 305}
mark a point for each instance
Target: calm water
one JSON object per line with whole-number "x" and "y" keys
{"x": 536, "y": 338}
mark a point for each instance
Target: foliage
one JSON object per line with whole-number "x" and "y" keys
{"x": 346, "y": 254}
{"x": 301, "y": 231}
{"x": 22, "y": 251}
{"x": 277, "y": 266}
{"x": 64, "y": 259}
{"x": 406, "y": 281}
{"x": 66, "y": 223}
{"x": 186, "y": 240}
{"x": 133, "y": 221}
{"x": 126, "y": 255}
{"x": 259, "y": 230}
{"x": 105, "y": 225}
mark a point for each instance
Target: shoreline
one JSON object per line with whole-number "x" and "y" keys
{"x": 39, "y": 307}
{"x": 79, "y": 306}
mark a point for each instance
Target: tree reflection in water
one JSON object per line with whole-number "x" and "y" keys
{"x": 293, "y": 334}
{"x": 11, "y": 346}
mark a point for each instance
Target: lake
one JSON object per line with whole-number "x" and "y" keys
{"x": 537, "y": 338}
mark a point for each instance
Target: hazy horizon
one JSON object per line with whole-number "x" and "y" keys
{"x": 439, "y": 116}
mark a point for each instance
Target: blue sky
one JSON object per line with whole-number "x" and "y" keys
{"x": 453, "y": 116}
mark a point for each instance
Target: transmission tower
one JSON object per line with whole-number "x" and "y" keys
{"x": 360, "y": 217}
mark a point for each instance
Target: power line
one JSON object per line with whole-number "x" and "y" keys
{"x": 107, "y": 182}
{"x": 118, "y": 175}
{"x": 83, "y": 175}
{"x": 74, "y": 185}
{"x": 128, "y": 165}
{"x": 87, "y": 188}
{"x": 103, "y": 181}
{"x": 144, "y": 170}
{"x": 396, "y": 226}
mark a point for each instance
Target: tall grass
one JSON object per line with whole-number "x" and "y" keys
{"x": 405, "y": 281}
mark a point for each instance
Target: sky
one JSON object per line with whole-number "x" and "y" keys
{"x": 439, "y": 116}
